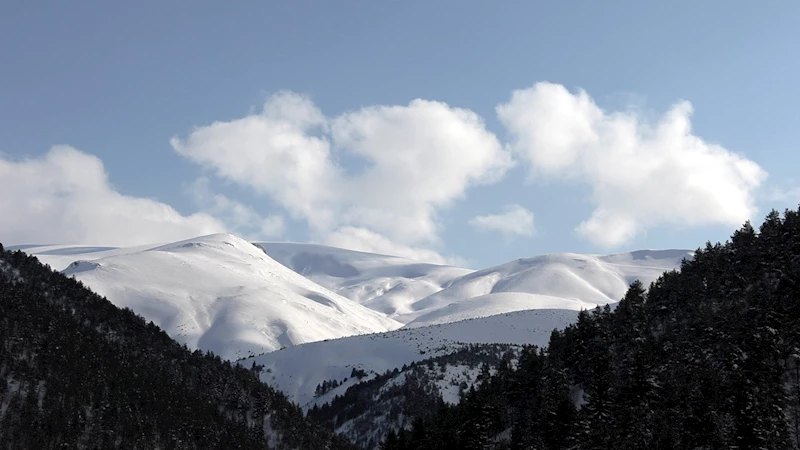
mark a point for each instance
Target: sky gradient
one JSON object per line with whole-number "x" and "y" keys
{"x": 468, "y": 132}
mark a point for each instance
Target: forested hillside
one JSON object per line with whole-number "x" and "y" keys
{"x": 706, "y": 358}
{"x": 77, "y": 372}
{"x": 370, "y": 409}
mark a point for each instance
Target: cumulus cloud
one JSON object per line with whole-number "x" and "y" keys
{"x": 642, "y": 174}
{"x": 419, "y": 158}
{"x": 403, "y": 165}
{"x": 515, "y": 221}
{"x": 65, "y": 197}
{"x": 276, "y": 153}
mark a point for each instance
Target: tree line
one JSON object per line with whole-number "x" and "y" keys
{"x": 703, "y": 358}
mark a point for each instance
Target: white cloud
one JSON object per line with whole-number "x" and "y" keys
{"x": 242, "y": 219}
{"x": 64, "y": 197}
{"x": 642, "y": 174}
{"x": 275, "y": 153}
{"x": 515, "y": 221}
{"x": 272, "y": 226}
{"x": 420, "y": 157}
{"x": 414, "y": 160}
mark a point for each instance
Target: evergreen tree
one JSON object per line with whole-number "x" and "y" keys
{"x": 706, "y": 357}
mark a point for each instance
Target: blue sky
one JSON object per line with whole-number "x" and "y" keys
{"x": 133, "y": 90}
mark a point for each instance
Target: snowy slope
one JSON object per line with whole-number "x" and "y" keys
{"x": 419, "y": 294}
{"x": 223, "y": 294}
{"x": 492, "y": 304}
{"x": 61, "y": 256}
{"x": 387, "y": 284}
{"x": 298, "y": 370}
{"x": 560, "y": 281}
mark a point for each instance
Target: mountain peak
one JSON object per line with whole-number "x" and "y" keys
{"x": 221, "y": 293}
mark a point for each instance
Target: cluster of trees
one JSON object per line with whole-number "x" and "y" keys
{"x": 358, "y": 373}
{"x": 77, "y": 372}
{"x": 325, "y": 387}
{"x": 707, "y": 357}
{"x": 329, "y": 385}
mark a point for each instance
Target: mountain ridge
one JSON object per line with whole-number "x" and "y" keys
{"x": 221, "y": 293}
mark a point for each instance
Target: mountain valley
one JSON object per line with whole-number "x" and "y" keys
{"x": 321, "y": 322}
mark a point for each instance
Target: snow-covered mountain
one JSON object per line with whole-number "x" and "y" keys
{"x": 298, "y": 370}
{"x": 387, "y": 284}
{"x": 558, "y": 281}
{"x": 220, "y": 293}
{"x": 223, "y": 294}
{"x": 418, "y": 294}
